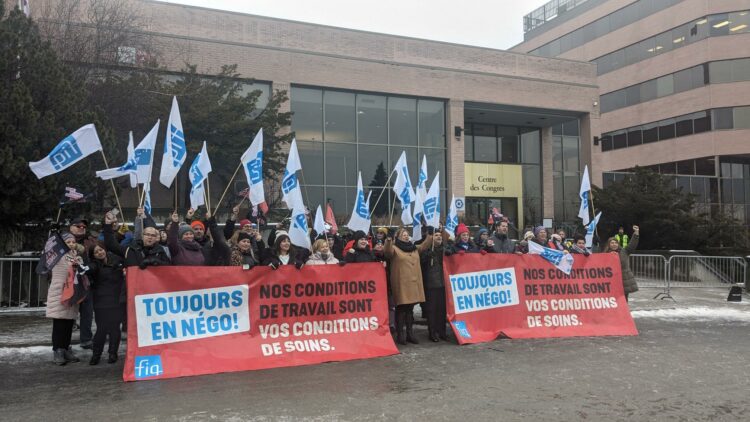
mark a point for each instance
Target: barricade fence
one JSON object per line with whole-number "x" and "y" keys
{"x": 22, "y": 288}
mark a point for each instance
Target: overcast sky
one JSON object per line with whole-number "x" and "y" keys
{"x": 486, "y": 23}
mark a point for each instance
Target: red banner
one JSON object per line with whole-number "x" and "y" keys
{"x": 203, "y": 320}
{"x": 528, "y": 297}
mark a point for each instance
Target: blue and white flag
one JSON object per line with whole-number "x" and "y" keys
{"x": 583, "y": 212}
{"x": 421, "y": 193}
{"x": 432, "y": 203}
{"x": 175, "y": 149}
{"x": 140, "y": 163}
{"x": 403, "y": 188}
{"x": 290, "y": 189}
{"x": 320, "y": 223}
{"x": 147, "y": 196}
{"x": 252, "y": 162}
{"x": 199, "y": 171}
{"x": 131, "y": 156}
{"x": 563, "y": 261}
{"x": 298, "y": 233}
{"x": 451, "y": 221}
{"x": 590, "y": 229}
{"x": 360, "y": 219}
{"x": 69, "y": 151}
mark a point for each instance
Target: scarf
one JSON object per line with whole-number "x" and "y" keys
{"x": 191, "y": 246}
{"x": 405, "y": 246}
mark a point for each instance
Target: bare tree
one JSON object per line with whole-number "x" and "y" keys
{"x": 95, "y": 35}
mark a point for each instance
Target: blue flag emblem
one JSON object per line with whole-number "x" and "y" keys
{"x": 289, "y": 182}
{"x": 552, "y": 255}
{"x": 197, "y": 175}
{"x": 300, "y": 221}
{"x": 430, "y": 207}
{"x": 255, "y": 169}
{"x": 177, "y": 141}
{"x": 65, "y": 153}
{"x": 361, "y": 206}
{"x": 142, "y": 157}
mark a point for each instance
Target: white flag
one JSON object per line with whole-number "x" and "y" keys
{"x": 25, "y": 7}
{"x": 432, "y": 203}
{"x": 147, "y": 199}
{"x": 290, "y": 189}
{"x": 320, "y": 223}
{"x": 252, "y": 162}
{"x": 69, "y": 151}
{"x": 139, "y": 164}
{"x": 131, "y": 156}
{"x": 590, "y": 230}
{"x": 199, "y": 171}
{"x": 561, "y": 260}
{"x": 583, "y": 212}
{"x": 403, "y": 189}
{"x": 451, "y": 221}
{"x": 421, "y": 193}
{"x": 175, "y": 149}
{"x": 360, "y": 219}
{"x": 298, "y": 228}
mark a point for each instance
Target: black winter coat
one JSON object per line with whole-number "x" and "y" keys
{"x": 431, "y": 261}
{"x": 360, "y": 255}
{"x": 107, "y": 282}
{"x": 502, "y": 244}
{"x": 136, "y": 254}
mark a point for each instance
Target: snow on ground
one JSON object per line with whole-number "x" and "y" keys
{"x": 696, "y": 313}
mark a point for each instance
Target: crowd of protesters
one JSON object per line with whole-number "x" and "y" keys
{"x": 414, "y": 269}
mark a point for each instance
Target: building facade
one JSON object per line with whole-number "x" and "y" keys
{"x": 674, "y": 81}
{"x": 504, "y": 129}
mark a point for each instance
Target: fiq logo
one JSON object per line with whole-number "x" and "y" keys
{"x": 148, "y": 367}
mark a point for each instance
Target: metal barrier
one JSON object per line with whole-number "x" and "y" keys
{"x": 706, "y": 271}
{"x": 651, "y": 271}
{"x": 20, "y": 286}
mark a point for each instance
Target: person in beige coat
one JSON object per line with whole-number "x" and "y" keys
{"x": 406, "y": 280}
{"x": 63, "y": 316}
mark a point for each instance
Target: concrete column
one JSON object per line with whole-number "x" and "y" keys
{"x": 455, "y": 155}
{"x": 548, "y": 197}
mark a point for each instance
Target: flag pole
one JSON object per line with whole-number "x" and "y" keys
{"x": 385, "y": 188}
{"x": 221, "y": 198}
{"x": 390, "y": 220}
{"x": 59, "y": 210}
{"x": 208, "y": 193}
{"x": 111, "y": 182}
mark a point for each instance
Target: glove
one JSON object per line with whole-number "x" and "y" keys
{"x": 342, "y": 263}
{"x": 483, "y": 252}
{"x": 55, "y": 227}
{"x": 272, "y": 266}
{"x": 461, "y": 252}
{"x": 142, "y": 265}
{"x": 299, "y": 265}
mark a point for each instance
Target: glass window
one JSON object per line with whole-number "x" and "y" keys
{"x": 663, "y": 42}
{"x": 342, "y": 199}
{"x": 620, "y": 139}
{"x": 667, "y": 168}
{"x": 557, "y": 129}
{"x": 339, "y": 116}
{"x": 341, "y": 164}
{"x": 705, "y": 166}
{"x": 726, "y": 191}
{"x": 570, "y": 128}
{"x": 683, "y": 183}
{"x": 307, "y": 120}
{"x": 684, "y": 126}
{"x": 570, "y": 153}
{"x": 468, "y": 143}
{"x": 683, "y": 80}
{"x": 741, "y": 70}
{"x": 606, "y": 142}
{"x": 412, "y": 161}
{"x": 485, "y": 149}
{"x": 650, "y": 133}
{"x": 723, "y": 118}
{"x": 371, "y": 158}
{"x": 435, "y": 163}
{"x": 371, "y": 119}
{"x": 741, "y": 118}
{"x": 740, "y": 22}
{"x": 736, "y": 171}
{"x": 608, "y": 179}
{"x": 635, "y": 136}
{"x": 719, "y": 24}
{"x": 314, "y": 196}
{"x": 686, "y": 167}
{"x": 647, "y": 48}
{"x": 557, "y": 157}
{"x": 664, "y": 86}
{"x": 701, "y": 122}
{"x": 633, "y": 94}
{"x": 530, "y": 146}
{"x": 698, "y": 188}
{"x": 648, "y": 90}
{"x": 666, "y": 129}
{"x": 571, "y": 186}
{"x": 680, "y": 35}
{"x": 431, "y": 124}
{"x": 509, "y": 149}
{"x": 720, "y": 71}
{"x": 311, "y": 156}
{"x": 402, "y": 121}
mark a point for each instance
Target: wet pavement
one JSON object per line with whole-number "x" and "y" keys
{"x": 690, "y": 362}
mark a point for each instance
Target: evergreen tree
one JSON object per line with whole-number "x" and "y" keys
{"x": 378, "y": 182}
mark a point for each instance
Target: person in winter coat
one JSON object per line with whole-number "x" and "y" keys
{"x": 182, "y": 245}
{"x": 63, "y": 316}
{"x": 579, "y": 246}
{"x": 540, "y": 237}
{"x": 501, "y": 243}
{"x": 109, "y": 297}
{"x": 463, "y": 243}
{"x": 405, "y": 280}
{"x": 434, "y": 288}
{"x": 613, "y": 246}
{"x": 244, "y": 251}
{"x": 282, "y": 253}
{"x": 522, "y": 247}
{"x": 321, "y": 254}
{"x": 360, "y": 251}
{"x": 78, "y": 228}
{"x": 145, "y": 251}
